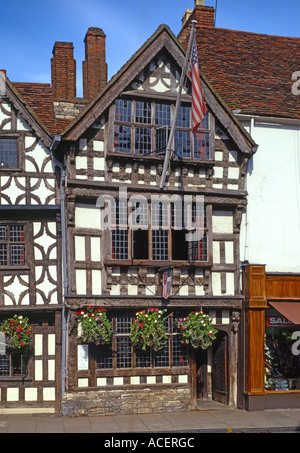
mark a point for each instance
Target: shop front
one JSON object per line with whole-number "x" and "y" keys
{"x": 271, "y": 341}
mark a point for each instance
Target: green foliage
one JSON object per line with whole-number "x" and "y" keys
{"x": 197, "y": 330}
{"x": 95, "y": 325}
{"x": 17, "y": 331}
{"x": 149, "y": 330}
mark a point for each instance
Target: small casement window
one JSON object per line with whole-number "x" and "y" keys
{"x": 13, "y": 365}
{"x": 8, "y": 153}
{"x": 12, "y": 246}
{"x": 143, "y": 128}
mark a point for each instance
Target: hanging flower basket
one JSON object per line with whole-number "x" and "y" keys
{"x": 95, "y": 326}
{"x": 149, "y": 330}
{"x": 18, "y": 335}
{"x": 197, "y": 330}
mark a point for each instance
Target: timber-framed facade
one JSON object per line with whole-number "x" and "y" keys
{"x": 113, "y": 146}
{"x": 30, "y": 257}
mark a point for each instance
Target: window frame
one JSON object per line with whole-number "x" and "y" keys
{"x": 156, "y": 233}
{"x": 17, "y": 138}
{"x": 150, "y": 149}
{"x": 135, "y": 353}
{"x": 8, "y": 243}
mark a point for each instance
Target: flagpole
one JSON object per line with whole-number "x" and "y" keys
{"x": 178, "y": 101}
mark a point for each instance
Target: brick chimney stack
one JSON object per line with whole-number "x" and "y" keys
{"x": 204, "y": 15}
{"x": 63, "y": 71}
{"x": 94, "y": 67}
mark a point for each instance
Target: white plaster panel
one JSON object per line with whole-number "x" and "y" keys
{"x": 151, "y": 379}
{"x": 79, "y": 248}
{"x": 38, "y": 344}
{"x": 135, "y": 380}
{"x": 83, "y": 382}
{"x": 22, "y": 125}
{"x": 229, "y": 283}
{"x": 98, "y": 145}
{"x": 31, "y": 394}
{"x": 95, "y": 249}
{"x": 229, "y": 252}
{"x": 38, "y": 370}
{"x": 216, "y": 252}
{"x": 118, "y": 380}
{"x": 87, "y": 217}
{"x": 115, "y": 290}
{"x": 183, "y": 379}
{"x": 219, "y": 156}
{"x": 80, "y": 281}
{"x": 12, "y": 394}
{"x": 81, "y": 163}
{"x": 166, "y": 379}
{"x": 101, "y": 382}
{"x": 51, "y": 370}
{"x": 216, "y": 283}
{"x": 51, "y": 344}
{"x": 218, "y": 172}
{"x": 49, "y": 394}
{"x": 17, "y": 291}
{"x": 96, "y": 283}
{"x": 222, "y": 222}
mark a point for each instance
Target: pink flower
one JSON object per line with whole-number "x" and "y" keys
{"x": 140, "y": 324}
{"x": 151, "y": 309}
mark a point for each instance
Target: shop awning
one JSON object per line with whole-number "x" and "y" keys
{"x": 291, "y": 310}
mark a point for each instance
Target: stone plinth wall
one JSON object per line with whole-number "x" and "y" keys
{"x": 111, "y": 402}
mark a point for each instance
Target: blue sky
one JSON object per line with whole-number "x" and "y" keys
{"x": 29, "y": 29}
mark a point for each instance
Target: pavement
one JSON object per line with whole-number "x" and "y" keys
{"x": 210, "y": 419}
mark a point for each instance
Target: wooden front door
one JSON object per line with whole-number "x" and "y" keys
{"x": 220, "y": 368}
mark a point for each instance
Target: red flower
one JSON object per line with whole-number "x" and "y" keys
{"x": 140, "y": 324}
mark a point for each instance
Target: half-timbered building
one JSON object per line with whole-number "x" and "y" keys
{"x": 30, "y": 252}
{"x": 115, "y": 148}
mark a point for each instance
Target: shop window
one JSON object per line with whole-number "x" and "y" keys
{"x": 282, "y": 366}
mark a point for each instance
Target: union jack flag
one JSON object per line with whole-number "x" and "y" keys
{"x": 199, "y": 108}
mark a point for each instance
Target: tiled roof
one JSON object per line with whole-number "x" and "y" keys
{"x": 38, "y": 96}
{"x": 251, "y": 72}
